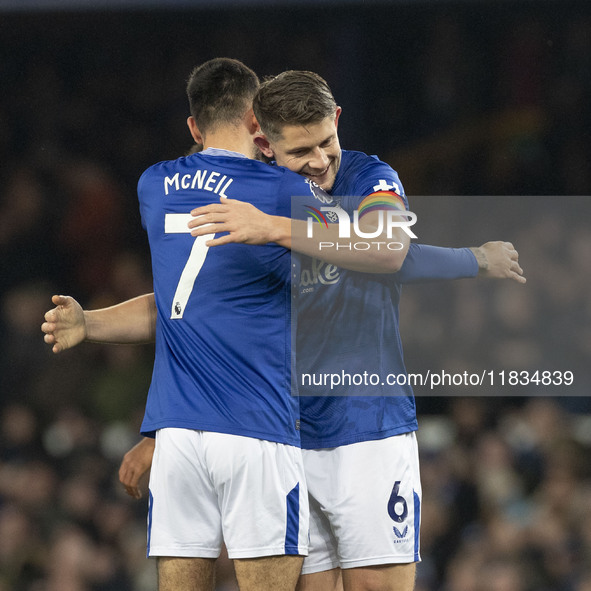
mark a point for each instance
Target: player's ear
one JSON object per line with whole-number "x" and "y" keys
{"x": 252, "y": 123}
{"x": 194, "y": 130}
{"x": 263, "y": 145}
{"x": 337, "y": 115}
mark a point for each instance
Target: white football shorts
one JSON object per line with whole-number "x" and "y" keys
{"x": 208, "y": 488}
{"x": 365, "y": 504}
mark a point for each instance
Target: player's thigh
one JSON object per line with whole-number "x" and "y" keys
{"x": 370, "y": 493}
{"x": 387, "y": 577}
{"x": 328, "y": 580}
{"x": 184, "y": 519}
{"x": 186, "y": 574}
{"x": 270, "y": 573}
{"x": 262, "y": 495}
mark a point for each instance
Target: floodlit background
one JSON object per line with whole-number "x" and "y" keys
{"x": 468, "y": 101}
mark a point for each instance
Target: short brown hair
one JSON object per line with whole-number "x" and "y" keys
{"x": 295, "y": 97}
{"x": 220, "y": 91}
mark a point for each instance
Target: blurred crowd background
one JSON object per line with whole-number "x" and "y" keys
{"x": 484, "y": 108}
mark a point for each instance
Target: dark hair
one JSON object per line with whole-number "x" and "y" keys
{"x": 220, "y": 91}
{"x": 295, "y": 97}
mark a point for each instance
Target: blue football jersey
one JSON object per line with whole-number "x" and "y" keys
{"x": 348, "y": 327}
{"x": 223, "y": 337}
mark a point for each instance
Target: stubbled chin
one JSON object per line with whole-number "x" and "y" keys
{"x": 325, "y": 182}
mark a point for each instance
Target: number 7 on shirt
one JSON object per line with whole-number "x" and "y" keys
{"x": 176, "y": 223}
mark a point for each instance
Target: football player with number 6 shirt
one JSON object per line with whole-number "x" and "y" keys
{"x": 358, "y": 439}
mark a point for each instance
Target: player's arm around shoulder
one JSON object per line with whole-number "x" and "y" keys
{"x": 365, "y": 246}
{"x": 345, "y": 244}
{"x": 242, "y": 223}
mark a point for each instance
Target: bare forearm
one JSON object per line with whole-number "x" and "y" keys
{"x": 132, "y": 321}
{"x": 380, "y": 254}
{"x": 241, "y": 222}
{"x": 480, "y": 259}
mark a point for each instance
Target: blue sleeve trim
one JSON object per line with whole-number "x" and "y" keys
{"x": 433, "y": 263}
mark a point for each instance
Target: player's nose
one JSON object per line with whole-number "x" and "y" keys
{"x": 319, "y": 160}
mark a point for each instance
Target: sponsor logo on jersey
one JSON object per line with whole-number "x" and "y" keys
{"x": 319, "y": 273}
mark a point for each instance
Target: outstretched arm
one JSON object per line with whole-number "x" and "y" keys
{"x": 247, "y": 224}
{"x": 67, "y": 325}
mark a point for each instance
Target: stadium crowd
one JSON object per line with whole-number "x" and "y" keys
{"x": 461, "y": 102}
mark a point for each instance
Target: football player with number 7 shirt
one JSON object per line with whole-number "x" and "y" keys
{"x": 360, "y": 453}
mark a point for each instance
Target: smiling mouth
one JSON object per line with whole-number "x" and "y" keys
{"x": 318, "y": 174}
